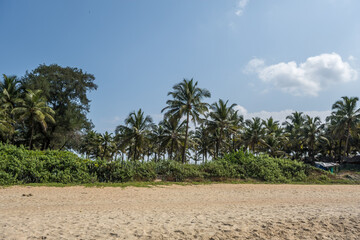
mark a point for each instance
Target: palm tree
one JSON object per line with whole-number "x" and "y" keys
{"x": 294, "y": 127}
{"x": 221, "y": 119}
{"x": 274, "y": 138}
{"x": 237, "y": 124}
{"x": 311, "y": 134}
{"x": 9, "y": 91}
{"x": 6, "y": 127}
{"x": 347, "y": 117}
{"x": 187, "y": 101}
{"x": 202, "y": 139}
{"x": 173, "y": 134}
{"x": 90, "y": 144}
{"x": 254, "y": 133}
{"x": 274, "y": 143}
{"x": 34, "y": 109}
{"x": 271, "y": 126}
{"x": 107, "y": 145}
{"x": 135, "y": 132}
{"x": 155, "y": 137}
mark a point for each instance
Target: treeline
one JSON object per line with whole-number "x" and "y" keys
{"x": 219, "y": 129}
{"x": 46, "y": 109}
{"x": 19, "y": 166}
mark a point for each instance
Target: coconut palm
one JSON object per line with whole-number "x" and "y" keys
{"x": 135, "y": 132}
{"x": 254, "y": 133}
{"x": 34, "y": 109}
{"x": 237, "y": 125}
{"x": 9, "y": 91}
{"x": 294, "y": 127}
{"x": 6, "y": 126}
{"x": 311, "y": 134}
{"x": 271, "y": 126}
{"x": 187, "y": 101}
{"x": 107, "y": 145}
{"x": 203, "y": 141}
{"x": 222, "y": 120}
{"x": 274, "y": 138}
{"x": 90, "y": 144}
{"x": 274, "y": 144}
{"x": 155, "y": 137}
{"x": 173, "y": 134}
{"x": 347, "y": 117}
{"x": 9, "y": 94}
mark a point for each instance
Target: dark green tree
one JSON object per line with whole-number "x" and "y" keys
{"x": 66, "y": 90}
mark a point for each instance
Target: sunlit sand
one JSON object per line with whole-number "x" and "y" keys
{"x": 219, "y": 211}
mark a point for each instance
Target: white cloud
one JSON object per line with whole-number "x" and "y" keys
{"x": 351, "y": 58}
{"x": 241, "y": 110}
{"x": 241, "y": 7}
{"x": 308, "y": 78}
{"x": 281, "y": 115}
{"x": 254, "y": 65}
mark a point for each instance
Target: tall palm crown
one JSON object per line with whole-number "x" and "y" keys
{"x": 9, "y": 91}
{"x": 107, "y": 144}
{"x": 271, "y": 126}
{"x": 34, "y": 109}
{"x": 135, "y": 131}
{"x": 173, "y": 134}
{"x": 202, "y": 139}
{"x": 187, "y": 101}
{"x": 347, "y": 116}
{"x": 221, "y": 119}
{"x": 274, "y": 138}
{"x": 156, "y": 134}
{"x": 296, "y": 120}
{"x": 311, "y": 133}
{"x": 6, "y": 126}
{"x": 294, "y": 128}
{"x": 254, "y": 132}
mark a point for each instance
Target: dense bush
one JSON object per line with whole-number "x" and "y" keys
{"x": 19, "y": 165}
{"x": 266, "y": 168}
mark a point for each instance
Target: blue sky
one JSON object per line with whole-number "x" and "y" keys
{"x": 269, "y": 57}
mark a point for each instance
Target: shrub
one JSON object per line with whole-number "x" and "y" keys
{"x": 266, "y": 168}
{"x": 19, "y": 165}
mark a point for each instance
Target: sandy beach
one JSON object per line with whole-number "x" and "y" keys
{"x": 219, "y": 211}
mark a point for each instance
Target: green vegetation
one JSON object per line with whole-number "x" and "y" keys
{"x": 46, "y": 110}
{"x": 22, "y": 166}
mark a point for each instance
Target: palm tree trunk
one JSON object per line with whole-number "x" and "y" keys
{"x": 171, "y": 149}
{"x": 346, "y": 152}
{"x": 31, "y": 135}
{"x": 186, "y": 137}
{"x": 339, "y": 149}
{"x": 103, "y": 156}
{"x": 233, "y": 143}
{"x": 219, "y": 144}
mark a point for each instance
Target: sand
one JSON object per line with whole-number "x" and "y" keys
{"x": 218, "y": 211}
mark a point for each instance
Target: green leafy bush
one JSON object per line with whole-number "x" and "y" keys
{"x": 19, "y": 165}
{"x": 174, "y": 171}
{"x": 266, "y": 168}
